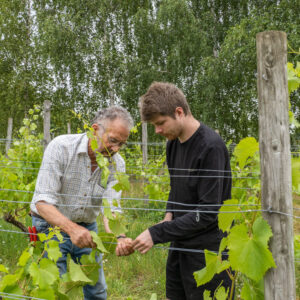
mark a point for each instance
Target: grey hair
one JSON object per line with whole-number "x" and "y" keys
{"x": 111, "y": 113}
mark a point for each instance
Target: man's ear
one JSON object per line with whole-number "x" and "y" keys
{"x": 179, "y": 112}
{"x": 95, "y": 126}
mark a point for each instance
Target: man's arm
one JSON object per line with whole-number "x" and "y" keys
{"x": 143, "y": 243}
{"x": 79, "y": 235}
{"x": 209, "y": 194}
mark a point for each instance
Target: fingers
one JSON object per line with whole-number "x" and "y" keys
{"x": 82, "y": 238}
{"x": 143, "y": 243}
{"x": 124, "y": 247}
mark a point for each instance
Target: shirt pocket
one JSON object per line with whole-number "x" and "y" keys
{"x": 97, "y": 194}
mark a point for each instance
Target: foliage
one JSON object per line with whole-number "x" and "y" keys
{"x": 247, "y": 232}
{"x": 38, "y": 276}
{"x": 18, "y": 170}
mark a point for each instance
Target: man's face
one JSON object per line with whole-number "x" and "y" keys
{"x": 111, "y": 137}
{"x": 167, "y": 126}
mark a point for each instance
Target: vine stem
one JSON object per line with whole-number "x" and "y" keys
{"x": 232, "y": 286}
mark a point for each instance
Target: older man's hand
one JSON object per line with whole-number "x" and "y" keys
{"x": 124, "y": 247}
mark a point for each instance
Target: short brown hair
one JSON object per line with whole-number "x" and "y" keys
{"x": 162, "y": 98}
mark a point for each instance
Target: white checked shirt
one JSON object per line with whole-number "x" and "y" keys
{"x": 65, "y": 179}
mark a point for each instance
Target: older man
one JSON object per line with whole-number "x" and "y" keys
{"x": 69, "y": 189}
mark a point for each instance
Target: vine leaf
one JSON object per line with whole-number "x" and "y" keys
{"x": 44, "y": 274}
{"x": 76, "y": 273}
{"x": 97, "y": 240}
{"x": 206, "y": 295}
{"x": 123, "y": 182}
{"x": 221, "y": 293}
{"x": 250, "y": 254}
{"x": 214, "y": 265}
{"x": 246, "y": 148}
{"x": 44, "y": 294}
{"x": 90, "y": 267}
{"x": 117, "y": 227}
{"x": 255, "y": 292}
{"x": 24, "y": 258}
{"x": 3, "y": 269}
{"x": 53, "y": 250}
{"x": 110, "y": 240}
{"x": 226, "y": 219}
{"x": 106, "y": 209}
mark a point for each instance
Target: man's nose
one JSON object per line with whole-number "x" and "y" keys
{"x": 115, "y": 148}
{"x": 158, "y": 129}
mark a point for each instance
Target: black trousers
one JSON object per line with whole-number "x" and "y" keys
{"x": 180, "y": 282}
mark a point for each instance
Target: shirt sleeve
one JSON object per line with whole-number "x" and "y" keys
{"x": 50, "y": 175}
{"x": 209, "y": 191}
{"x": 110, "y": 193}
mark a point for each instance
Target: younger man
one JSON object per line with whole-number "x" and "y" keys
{"x": 199, "y": 168}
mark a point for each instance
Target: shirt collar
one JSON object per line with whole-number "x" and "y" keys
{"x": 83, "y": 145}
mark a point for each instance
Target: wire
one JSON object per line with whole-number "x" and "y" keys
{"x": 7, "y": 295}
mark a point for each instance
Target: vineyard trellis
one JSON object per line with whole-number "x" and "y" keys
{"x": 275, "y": 167}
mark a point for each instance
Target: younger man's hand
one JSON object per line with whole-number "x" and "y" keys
{"x": 143, "y": 243}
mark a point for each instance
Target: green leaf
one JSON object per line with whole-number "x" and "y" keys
{"x": 246, "y": 148}
{"x": 221, "y": 293}
{"x": 254, "y": 292}
{"x": 53, "y": 250}
{"x": 223, "y": 245}
{"x": 109, "y": 240}
{"x": 90, "y": 267}
{"x": 76, "y": 273}
{"x": 206, "y": 295}
{"x": 123, "y": 182}
{"x": 44, "y": 274}
{"x": 94, "y": 144}
{"x": 24, "y": 258}
{"x": 213, "y": 266}
{"x": 98, "y": 242}
{"x": 116, "y": 227}
{"x": 107, "y": 210}
{"x": 3, "y": 269}
{"x": 9, "y": 283}
{"x": 250, "y": 255}
{"x": 226, "y": 219}
{"x": 44, "y": 294}
{"x": 104, "y": 176}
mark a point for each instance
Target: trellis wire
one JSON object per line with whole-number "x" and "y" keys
{"x": 7, "y": 295}
{"x": 147, "y": 175}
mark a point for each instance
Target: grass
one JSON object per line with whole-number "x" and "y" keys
{"x": 296, "y": 204}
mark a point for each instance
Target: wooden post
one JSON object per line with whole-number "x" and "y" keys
{"x": 275, "y": 161}
{"x": 9, "y": 134}
{"x": 47, "y": 116}
{"x": 69, "y": 127}
{"x": 144, "y": 143}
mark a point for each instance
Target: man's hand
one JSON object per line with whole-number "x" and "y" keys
{"x": 81, "y": 237}
{"x": 143, "y": 243}
{"x": 124, "y": 247}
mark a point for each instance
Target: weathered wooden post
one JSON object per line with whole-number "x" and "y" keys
{"x": 69, "y": 127}
{"x": 275, "y": 161}
{"x": 47, "y": 117}
{"x": 144, "y": 143}
{"x": 9, "y": 134}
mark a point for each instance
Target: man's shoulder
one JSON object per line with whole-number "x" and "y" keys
{"x": 120, "y": 162}
{"x": 66, "y": 139}
{"x": 68, "y": 142}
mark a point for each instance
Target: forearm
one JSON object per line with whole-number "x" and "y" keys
{"x": 54, "y": 217}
